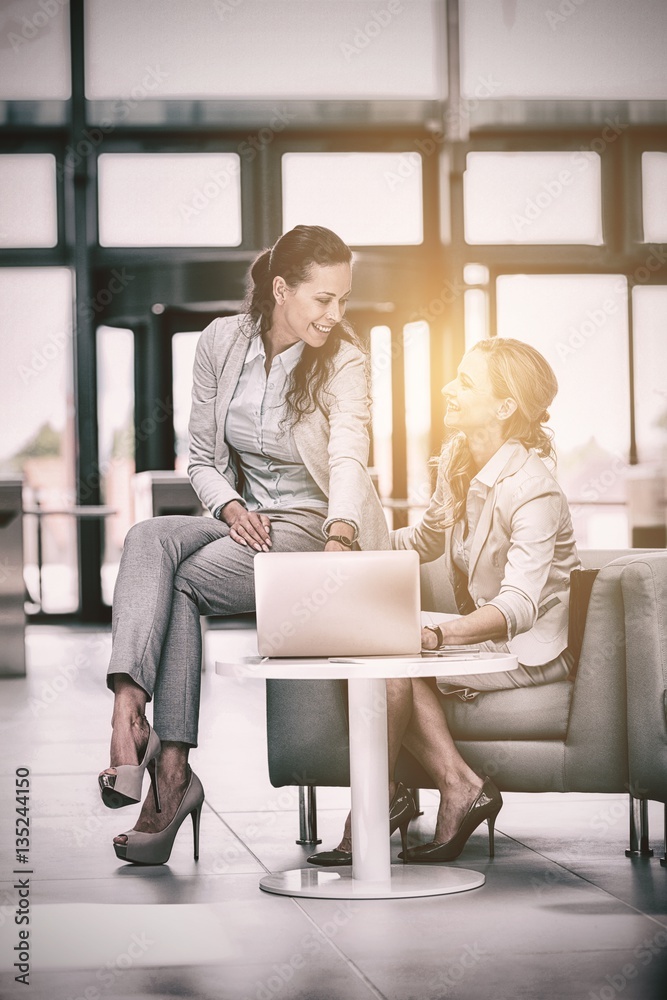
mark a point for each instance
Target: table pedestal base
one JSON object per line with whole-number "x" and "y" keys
{"x": 405, "y": 880}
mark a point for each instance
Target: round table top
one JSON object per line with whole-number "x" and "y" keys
{"x": 349, "y": 668}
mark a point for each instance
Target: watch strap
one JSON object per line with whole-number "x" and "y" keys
{"x": 347, "y": 542}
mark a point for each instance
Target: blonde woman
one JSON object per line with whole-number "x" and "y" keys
{"x": 504, "y": 525}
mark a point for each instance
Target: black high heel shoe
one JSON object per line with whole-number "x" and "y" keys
{"x": 402, "y": 809}
{"x": 486, "y": 806}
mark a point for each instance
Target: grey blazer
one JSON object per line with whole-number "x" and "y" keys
{"x": 521, "y": 555}
{"x": 332, "y": 441}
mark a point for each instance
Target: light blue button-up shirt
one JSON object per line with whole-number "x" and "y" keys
{"x": 273, "y": 471}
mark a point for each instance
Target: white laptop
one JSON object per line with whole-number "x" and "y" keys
{"x": 325, "y": 604}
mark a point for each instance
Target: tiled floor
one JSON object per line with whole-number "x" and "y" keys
{"x": 563, "y": 913}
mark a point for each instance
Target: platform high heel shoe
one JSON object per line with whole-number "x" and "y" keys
{"x": 124, "y": 787}
{"x": 402, "y": 809}
{"x": 486, "y": 806}
{"x": 155, "y": 848}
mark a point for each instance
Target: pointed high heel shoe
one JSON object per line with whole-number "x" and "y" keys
{"x": 155, "y": 848}
{"x": 124, "y": 787}
{"x": 486, "y": 806}
{"x": 402, "y": 809}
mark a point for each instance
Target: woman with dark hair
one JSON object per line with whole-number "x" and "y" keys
{"x": 278, "y": 453}
{"x": 504, "y": 525}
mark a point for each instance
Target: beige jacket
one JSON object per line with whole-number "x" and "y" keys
{"x": 521, "y": 555}
{"x": 333, "y": 441}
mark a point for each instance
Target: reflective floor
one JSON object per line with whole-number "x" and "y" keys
{"x": 563, "y": 913}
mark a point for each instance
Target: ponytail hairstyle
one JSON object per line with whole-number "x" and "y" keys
{"x": 293, "y": 257}
{"x": 519, "y": 371}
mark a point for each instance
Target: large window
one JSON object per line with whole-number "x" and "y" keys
{"x": 38, "y": 426}
{"x": 28, "y": 200}
{"x": 183, "y": 347}
{"x": 263, "y": 48}
{"x": 533, "y": 198}
{"x": 35, "y": 62}
{"x": 417, "y": 361}
{"x": 654, "y": 197}
{"x": 381, "y": 365}
{"x": 650, "y": 362}
{"x": 115, "y": 423}
{"x": 580, "y": 324}
{"x": 378, "y": 196}
{"x": 592, "y": 50}
{"x": 169, "y": 200}
{"x": 518, "y": 190}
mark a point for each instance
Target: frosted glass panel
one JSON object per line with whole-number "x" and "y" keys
{"x": 579, "y": 322}
{"x": 476, "y": 316}
{"x": 650, "y": 355}
{"x": 475, "y": 274}
{"x": 35, "y": 63}
{"x": 169, "y": 199}
{"x": 654, "y": 197}
{"x": 532, "y": 198}
{"x": 183, "y": 347}
{"x": 37, "y": 435}
{"x": 594, "y": 49}
{"x": 273, "y": 49}
{"x": 28, "y": 211}
{"x": 417, "y": 356}
{"x": 115, "y": 421}
{"x": 367, "y": 198}
{"x": 381, "y": 359}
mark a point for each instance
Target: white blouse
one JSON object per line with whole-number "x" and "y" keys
{"x": 273, "y": 471}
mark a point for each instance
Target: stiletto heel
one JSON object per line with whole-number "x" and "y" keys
{"x": 152, "y": 774}
{"x": 155, "y": 848}
{"x": 404, "y": 836}
{"x": 402, "y": 809}
{"x": 486, "y": 806}
{"x": 124, "y": 787}
{"x": 196, "y": 824}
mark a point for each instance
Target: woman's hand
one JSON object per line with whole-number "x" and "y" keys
{"x": 481, "y": 625}
{"x": 247, "y": 526}
{"x": 429, "y": 639}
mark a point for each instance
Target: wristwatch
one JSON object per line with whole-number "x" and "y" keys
{"x": 347, "y": 542}
{"x": 437, "y": 632}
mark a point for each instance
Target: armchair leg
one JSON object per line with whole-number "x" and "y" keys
{"x": 308, "y": 815}
{"x": 663, "y": 861}
{"x": 639, "y": 847}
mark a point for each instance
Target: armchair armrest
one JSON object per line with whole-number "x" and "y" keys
{"x": 644, "y": 584}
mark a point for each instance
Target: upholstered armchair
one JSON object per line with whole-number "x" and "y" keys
{"x": 644, "y": 589}
{"x": 570, "y": 736}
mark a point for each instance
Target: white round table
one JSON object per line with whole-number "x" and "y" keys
{"x": 371, "y": 876}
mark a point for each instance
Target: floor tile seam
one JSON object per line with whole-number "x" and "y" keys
{"x": 110, "y": 879}
{"x": 349, "y": 962}
{"x": 589, "y": 881}
{"x": 240, "y": 840}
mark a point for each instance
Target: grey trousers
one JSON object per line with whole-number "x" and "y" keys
{"x": 174, "y": 569}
